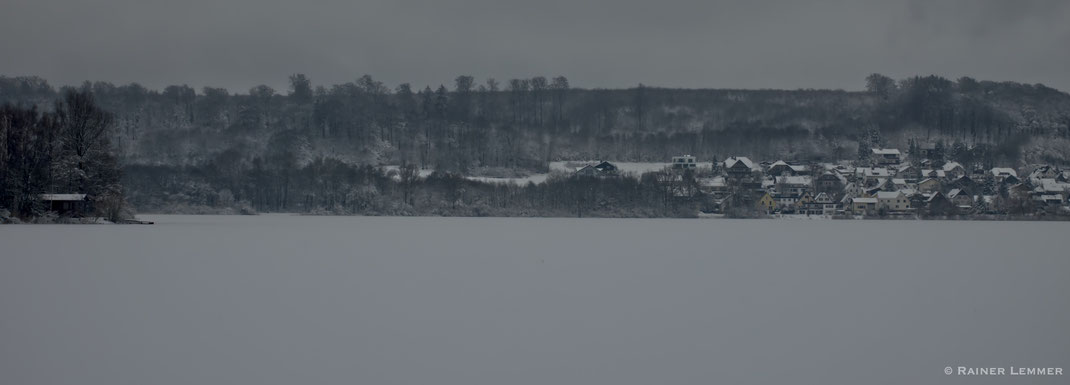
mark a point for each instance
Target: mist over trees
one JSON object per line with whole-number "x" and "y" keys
{"x": 312, "y": 146}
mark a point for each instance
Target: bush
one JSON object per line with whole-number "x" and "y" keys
{"x": 113, "y": 208}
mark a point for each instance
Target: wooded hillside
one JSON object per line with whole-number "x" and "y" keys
{"x": 258, "y": 142}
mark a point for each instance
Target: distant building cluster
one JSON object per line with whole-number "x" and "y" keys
{"x": 888, "y": 185}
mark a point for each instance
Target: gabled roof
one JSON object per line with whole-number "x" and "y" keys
{"x": 839, "y": 176}
{"x": 717, "y": 181}
{"x": 731, "y": 162}
{"x": 864, "y": 200}
{"x": 908, "y": 191}
{"x": 952, "y": 165}
{"x": 954, "y": 193}
{"x": 1045, "y": 169}
{"x": 934, "y": 196}
{"x": 1018, "y": 187}
{"x": 606, "y": 166}
{"x": 1051, "y": 197}
{"x": 1051, "y": 185}
{"x": 886, "y": 151}
{"x": 793, "y": 180}
{"x": 590, "y": 169}
{"x": 936, "y": 173}
{"x": 602, "y": 167}
{"x": 998, "y": 171}
{"x": 796, "y": 168}
{"x": 876, "y": 171}
{"x": 904, "y": 167}
{"x": 888, "y": 194}
{"x": 963, "y": 179}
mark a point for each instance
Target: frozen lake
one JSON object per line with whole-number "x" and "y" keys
{"x": 279, "y": 299}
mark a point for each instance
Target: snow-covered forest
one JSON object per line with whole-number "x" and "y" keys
{"x": 315, "y": 148}
{"x": 64, "y": 149}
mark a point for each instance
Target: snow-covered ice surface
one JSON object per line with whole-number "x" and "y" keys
{"x": 278, "y": 299}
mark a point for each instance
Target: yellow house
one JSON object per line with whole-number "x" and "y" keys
{"x": 767, "y": 203}
{"x": 929, "y": 185}
{"x": 866, "y": 206}
{"x": 806, "y": 199}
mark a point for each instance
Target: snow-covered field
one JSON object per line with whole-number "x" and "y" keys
{"x": 636, "y": 168}
{"x": 279, "y": 299}
{"x": 626, "y": 167}
{"x": 533, "y": 178}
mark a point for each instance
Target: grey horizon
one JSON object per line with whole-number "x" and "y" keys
{"x": 597, "y": 44}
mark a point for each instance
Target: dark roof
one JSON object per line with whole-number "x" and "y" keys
{"x": 606, "y": 166}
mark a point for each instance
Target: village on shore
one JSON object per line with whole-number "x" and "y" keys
{"x": 886, "y": 185}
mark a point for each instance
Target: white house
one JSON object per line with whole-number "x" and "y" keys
{"x": 1051, "y": 186}
{"x": 929, "y": 185}
{"x": 866, "y": 206}
{"x": 1001, "y": 173}
{"x": 713, "y": 185}
{"x": 824, "y": 201}
{"x": 886, "y": 156}
{"x": 1043, "y": 172}
{"x": 867, "y": 174}
{"x": 738, "y": 167}
{"x": 954, "y": 170}
{"x": 962, "y": 200}
{"x": 781, "y": 167}
{"x": 937, "y": 174}
{"x": 1049, "y": 199}
{"x": 853, "y": 189}
{"x": 795, "y": 185}
{"x": 684, "y": 162}
{"x": 892, "y": 201}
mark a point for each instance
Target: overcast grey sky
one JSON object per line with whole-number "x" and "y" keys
{"x": 595, "y": 43}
